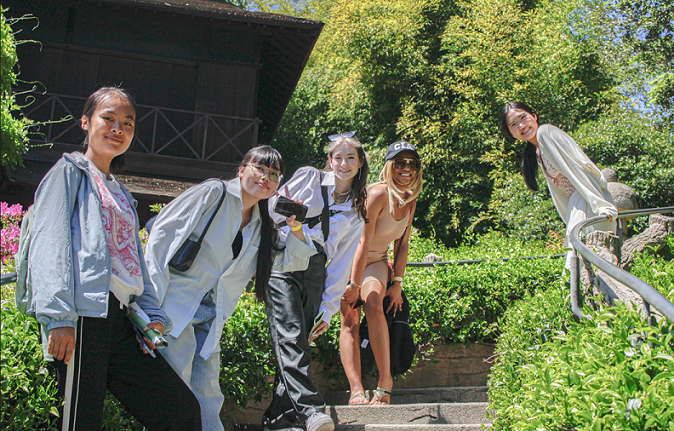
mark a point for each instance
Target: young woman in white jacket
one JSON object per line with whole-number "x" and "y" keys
{"x": 297, "y": 298}
{"x": 579, "y": 190}
{"x": 242, "y": 240}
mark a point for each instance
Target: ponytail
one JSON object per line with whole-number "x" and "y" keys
{"x": 530, "y": 167}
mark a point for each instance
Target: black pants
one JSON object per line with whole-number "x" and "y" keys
{"x": 294, "y": 299}
{"x": 107, "y": 356}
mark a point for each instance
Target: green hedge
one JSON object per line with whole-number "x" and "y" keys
{"x": 613, "y": 372}
{"x": 453, "y": 303}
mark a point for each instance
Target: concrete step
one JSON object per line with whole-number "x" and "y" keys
{"x": 410, "y": 414}
{"x": 412, "y": 427}
{"x": 469, "y": 394}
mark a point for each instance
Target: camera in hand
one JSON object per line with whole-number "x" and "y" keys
{"x": 287, "y": 207}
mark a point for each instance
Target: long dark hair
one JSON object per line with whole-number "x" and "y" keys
{"x": 90, "y": 107}
{"x": 269, "y": 234}
{"x": 358, "y": 193}
{"x": 529, "y": 163}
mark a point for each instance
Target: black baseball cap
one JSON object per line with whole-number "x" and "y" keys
{"x": 398, "y": 147}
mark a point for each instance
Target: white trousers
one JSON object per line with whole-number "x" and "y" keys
{"x": 201, "y": 375}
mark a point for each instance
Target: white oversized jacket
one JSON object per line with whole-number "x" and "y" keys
{"x": 180, "y": 293}
{"x": 346, "y": 228}
{"x": 567, "y": 157}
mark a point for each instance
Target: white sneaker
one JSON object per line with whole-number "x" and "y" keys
{"x": 266, "y": 428}
{"x": 320, "y": 422}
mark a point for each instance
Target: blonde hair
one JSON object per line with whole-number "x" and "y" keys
{"x": 395, "y": 194}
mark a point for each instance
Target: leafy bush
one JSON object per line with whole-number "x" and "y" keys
{"x": 520, "y": 212}
{"x": 247, "y": 357}
{"x": 613, "y": 372}
{"x": 473, "y": 296}
{"x": 641, "y": 154}
{"x": 477, "y": 296}
{"x": 14, "y": 138}
{"x": 28, "y": 386}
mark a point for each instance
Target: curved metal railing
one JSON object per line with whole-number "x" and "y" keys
{"x": 11, "y": 276}
{"x": 650, "y": 296}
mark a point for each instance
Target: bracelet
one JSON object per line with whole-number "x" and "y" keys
{"x": 351, "y": 283}
{"x": 296, "y": 228}
{"x": 399, "y": 280}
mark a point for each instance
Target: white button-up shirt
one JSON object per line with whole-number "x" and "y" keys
{"x": 345, "y": 230}
{"x": 214, "y": 268}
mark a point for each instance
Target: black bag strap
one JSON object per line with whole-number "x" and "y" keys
{"x": 325, "y": 218}
{"x": 210, "y": 220}
{"x": 399, "y": 246}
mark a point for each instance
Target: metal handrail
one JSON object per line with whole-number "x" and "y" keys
{"x": 473, "y": 261}
{"x": 8, "y": 278}
{"x": 649, "y": 294}
{"x": 11, "y": 277}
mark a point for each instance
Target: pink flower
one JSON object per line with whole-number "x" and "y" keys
{"x": 11, "y": 219}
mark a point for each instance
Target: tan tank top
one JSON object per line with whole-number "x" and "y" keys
{"x": 386, "y": 231}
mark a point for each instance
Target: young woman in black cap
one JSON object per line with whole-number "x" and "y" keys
{"x": 390, "y": 207}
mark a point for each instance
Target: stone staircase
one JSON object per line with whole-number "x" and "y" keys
{"x": 444, "y": 391}
{"x": 427, "y": 409}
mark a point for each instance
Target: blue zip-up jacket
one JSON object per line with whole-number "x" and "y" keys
{"x": 69, "y": 258}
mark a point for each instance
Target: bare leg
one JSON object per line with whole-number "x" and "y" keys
{"x": 373, "y": 295}
{"x": 349, "y": 350}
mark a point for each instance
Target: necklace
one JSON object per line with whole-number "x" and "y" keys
{"x": 340, "y": 197}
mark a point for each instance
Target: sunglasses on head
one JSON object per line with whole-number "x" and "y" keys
{"x": 414, "y": 164}
{"x": 333, "y": 138}
{"x": 260, "y": 171}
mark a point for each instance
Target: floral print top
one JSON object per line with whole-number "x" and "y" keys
{"x": 555, "y": 176}
{"x": 119, "y": 224}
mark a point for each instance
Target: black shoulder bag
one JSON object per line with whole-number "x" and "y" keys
{"x": 184, "y": 257}
{"x": 401, "y": 339}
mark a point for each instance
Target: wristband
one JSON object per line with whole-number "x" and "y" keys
{"x": 399, "y": 280}
{"x": 296, "y": 228}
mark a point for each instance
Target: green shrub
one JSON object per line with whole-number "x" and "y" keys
{"x": 28, "y": 386}
{"x": 247, "y": 357}
{"x": 474, "y": 298}
{"x": 14, "y": 136}
{"x": 611, "y": 373}
{"x": 520, "y": 212}
{"x": 641, "y": 154}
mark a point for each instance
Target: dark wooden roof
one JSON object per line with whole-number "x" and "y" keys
{"x": 287, "y": 44}
{"x": 258, "y": 58}
{"x": 219, "y": 10}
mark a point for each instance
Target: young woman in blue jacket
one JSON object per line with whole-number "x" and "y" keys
{"x": 87, "y": 266}
{"x": 242, "y": 240}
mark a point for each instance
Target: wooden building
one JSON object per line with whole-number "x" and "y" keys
{"x": 211, "y": 79}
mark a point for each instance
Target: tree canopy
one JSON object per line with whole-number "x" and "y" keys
{"x": 437, "y": 73}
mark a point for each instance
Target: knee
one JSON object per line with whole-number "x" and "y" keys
{"x": 373, "y": 307}
{"x": 351, "y": 326}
